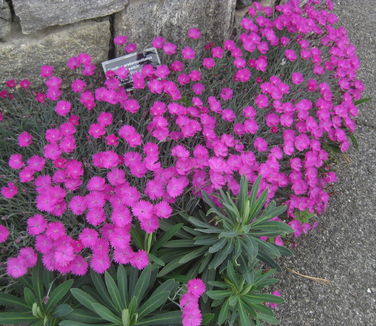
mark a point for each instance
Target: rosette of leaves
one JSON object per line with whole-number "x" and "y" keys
{"x": 228, "y": 233}
{"x": 42, "y": 303}
{"x": 128, "y": 298}
{"x": 238, "y": 302}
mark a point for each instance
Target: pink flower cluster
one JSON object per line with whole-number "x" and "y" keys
{"x": 193, "y": 134}
{"x": 189, "y": 303}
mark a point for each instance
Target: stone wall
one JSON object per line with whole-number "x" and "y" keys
{"x": 37, "y": 32}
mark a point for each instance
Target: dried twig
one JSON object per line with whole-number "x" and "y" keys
{"x": 316, "y": 279}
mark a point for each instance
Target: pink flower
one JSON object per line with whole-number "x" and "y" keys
{"x": 96, "y": 216}
{"x": 54, "y": 82}
{"x": 131, "y": 105}
{"x": 105, "y": 119}
{"x": 239, "y": 63}
{"x": 194, "y": 33}
{"x": 24, "y": 139}
{"x": 291, "y": 55}
{"x": 262, "y": 101}
{"x": 226, "y": 94}
{"x": 163, "y": 209}
{"x": 96, "y": 130}
{"x": 297, "y": 78}
{"x": 198, "y": 88}
{"x": 106, "y": 160}
{"x": 242, "y": 75}
{"x": 46, "y": 71}
{"x": 55, "y": 230}
{"x": 79, "y": 266}
{"x": 176, "y": 186}
{"x": 25, "y": 83}
{"x": 95, "y": 199}
{"x": 96, "y": 184}
{"x": 43, "y": 244}
{"x": 73, "y": 63}
{"x": 29, "y": 257}
{"x": 16, "y": 267}
{"x": 143, "y": 209}
{"x": 196, "y": 287}
{"x": 100, "y": 263}
{"x": 88, "y": 237}
{"x": 4, "y": 233}
{"x": 120, "y": 237}
{"x": 78, "y": 205}
{"x": 130, "y": 47}
{"x": 189, "y": 303}
{"x": 121, "y": 216}
{"x": 84, "y": 59}
{"x": 36, "y": 163}
{"x": 228, "y": 115}
{"x": 217, "y": 52}
{"x": 158, "y": 42}
{"x": 177, "y": 66}
{"x": 26, "y": 174}
{"x": 40, "y": 97}
{"x": 260, "y": 144}
{"x": 36, "y": 224}
{"x": 53, "y": 135}
{"x": 120, "y": 39}
{"x": 140, "y": 259}
{"x": 78, "y": 86}
{"x": 302, "y": 142}
{"x": 9, "y": 191}
{"x": 51, "y": 151}
{"x": 195, "y": 75}
{"x": 188, "y": 53}
{"x": 208, "y": 63}
{"x": 169, "y": 48}
{"x": 112, "y": 140}
{"x": 297, "y": 227}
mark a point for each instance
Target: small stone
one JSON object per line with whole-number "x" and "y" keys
{"x": 38, "y": 14}
{"x": 22, "y": 57}
{"x": 141, "y": 21}
{"x": 369, "y": 291}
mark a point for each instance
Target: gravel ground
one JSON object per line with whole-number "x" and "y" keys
{"x": 343, "y": 248}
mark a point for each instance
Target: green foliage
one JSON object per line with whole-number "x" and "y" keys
{"x": 232, "y": 234}
{"x": 125, "y": 299}
{"x": 238, "y": 302}
{"x": 363, "y": 100}
{"x": 304, "y": 216}
{"x": 42, "y": 303}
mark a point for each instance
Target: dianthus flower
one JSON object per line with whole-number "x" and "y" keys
{"x": 24, "y": 139}
{"x": 9, "y": 191}
{"x": 189, "y": 303}
{"x": 4, "y": 233}
{"x": 291, "y": 55}
{"x": 208, "y": 63}
{"x": 194, "y": 33}
{"x": 63, "y": 108}
{"x": 46, "y": 71}
{"x": 16, "y": 267}
{"x": 36, "y": 224}
{"x": 169, "y": 48}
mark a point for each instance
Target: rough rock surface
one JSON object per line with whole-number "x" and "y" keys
{"x": 342, "y": 249}
{"x": 5, "y": 19}
{"x": 142, "y": 20}
{"x": 22, "y": 57}
{"x": 38, "y": 14}
{"x": 245, "y": 3}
